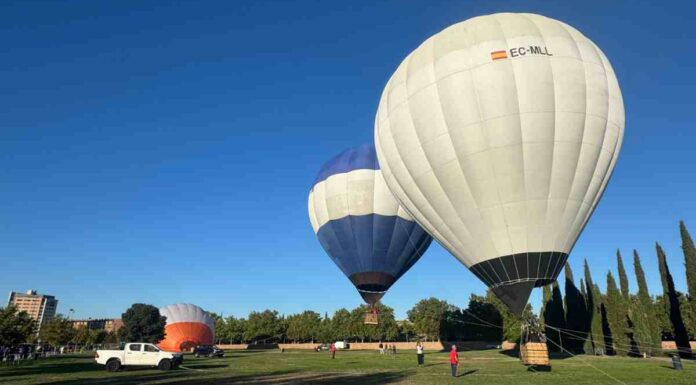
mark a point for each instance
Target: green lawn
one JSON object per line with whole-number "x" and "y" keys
{"x": 360, "y": 367}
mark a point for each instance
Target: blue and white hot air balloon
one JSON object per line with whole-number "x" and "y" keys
{"x": 371, "y": 238}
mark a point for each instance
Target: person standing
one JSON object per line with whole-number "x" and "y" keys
{"x": 394, "y": 349}
{"x": 332, "y": 349}
{"x": 419, "y": 353}
{"x": 454, "y": 360}
{"x": 381, "y": 348}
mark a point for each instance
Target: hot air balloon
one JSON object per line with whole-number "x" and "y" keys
{"x": 499, "y": 135}
{"x": 360, "y": 224}
{"x": 187, "y": 326}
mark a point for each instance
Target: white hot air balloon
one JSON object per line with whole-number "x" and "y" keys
{"x": 499, "y": 135}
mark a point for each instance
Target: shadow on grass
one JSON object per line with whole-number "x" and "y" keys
{"x": 278, "y": 378}
{"x": 467, "y": 373}
{"x": 514, "y": 353}
{"x": 51, "y": 368}
{"x": 204, "y": 366}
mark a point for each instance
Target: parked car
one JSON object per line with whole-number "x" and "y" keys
{"x": 138, "y": 354}
{"x": 208, "y": 351}
{"x": 322, "y": 347}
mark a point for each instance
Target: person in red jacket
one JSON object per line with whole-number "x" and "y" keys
{"x": 454, "y": 360}
{"x": 332, "y": 349}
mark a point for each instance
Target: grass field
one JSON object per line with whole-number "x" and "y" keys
{"x": 357, "y": 367}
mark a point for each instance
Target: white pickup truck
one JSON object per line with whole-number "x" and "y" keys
{"x": 138, "y": 354}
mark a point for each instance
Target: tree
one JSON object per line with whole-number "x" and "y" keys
{"x": 221, "y": 332}
{"x": 512, "y": 324}
{"x": 626, "y": 308}
{"x": 82, "y": 336}
{"x": 15, "y": 327}
{"x": 386, "y": 329}
{"x": 623, "y": 278}
{"x": 554, "y": 317}
{"x": 616, "y": 316}
{"x": 427, "y": 317}
{"x": 672, "y": 305}
{"x": 263, "y": 326}
{"x": 326, "y": 331}
{"x": 593, "y": 302}
{"x": 236, "y": 328}
{"x": 690, "y": 265}
{"x": 646, "y": 328}
{"x": 575, "y": 313}
{"x": 304, "y": 327}
{"x": 341, "y": 324}
{"x": 478, "y": 311}
{"x": 111, "y": 338}
{"x": 58, "y": 331}
{"x": 97, "y": 337}
{"x": 143, "y": 323}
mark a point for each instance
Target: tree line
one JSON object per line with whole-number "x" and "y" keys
{"x": 617, "y": 321}
{"x": 582, "y": 319}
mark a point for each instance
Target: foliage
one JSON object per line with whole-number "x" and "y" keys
{"x": 82, "y": 335}
{"x": 690, "y": 264}
{"x": 554, "y": 316}
{"x": 15, "y": 327}
{"x": 672, "y": 305}
{"x": 427, "y": 317}
{"x": 58, "y": 331}
{"x": 111, "y": 338}
{"x": 623, "y": 278}
{"x": 142, "y": 323}
{"x": 478, "y": 316}
{"x": 593, "y": 302}
{"x": 341, "y": 325}
{"x": 304, "y": 327}
{"x": 615, "y": 315}
{"x": 576, "y": 314}
{"x": 263, "y": 327}
{"x": 512, "y": 324}
{"x": 646, "y": 329}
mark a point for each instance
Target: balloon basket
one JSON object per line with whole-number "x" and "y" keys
{"x": 534, "y": 352}
{"x": 536, "y": 355}
{"x": 371, "y": 319}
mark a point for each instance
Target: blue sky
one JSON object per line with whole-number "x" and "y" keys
{"x": 163, "y": 153}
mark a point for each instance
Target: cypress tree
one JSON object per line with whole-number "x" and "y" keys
{"x": 574, "y": 313}
{"x": 647, "y": 330}
{"x": 594, "y": 317}
{"x": 546, "y": 297}
{"x": 623, "y": 278}
{"x": 672, "y": 305}
{"x": 615, "y": 315}
{"x": 690, "y": 264}
{"x": 626, "y": 308}
{"x": 555, "y": 318}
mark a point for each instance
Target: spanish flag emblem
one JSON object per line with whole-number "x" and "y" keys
{"x": 495, "y": 55}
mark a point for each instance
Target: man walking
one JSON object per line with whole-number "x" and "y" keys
{"x": 454, "y": 360}
{"x": 332, "y": 349}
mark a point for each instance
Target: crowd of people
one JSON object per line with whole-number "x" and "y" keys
{"x": 387, "y": 349}
{"x": 15, "y": 355}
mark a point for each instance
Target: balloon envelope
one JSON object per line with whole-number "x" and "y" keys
{"x": 187, "y": 326}
{"x": 499, "y": 135}
{"x": 360, "y": 224}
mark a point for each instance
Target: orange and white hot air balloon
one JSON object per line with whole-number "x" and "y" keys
{"x": 187, "y": 326}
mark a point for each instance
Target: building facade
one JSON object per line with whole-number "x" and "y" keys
{"x": 108, "y": 324}
{"x": 42, "y": 308}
